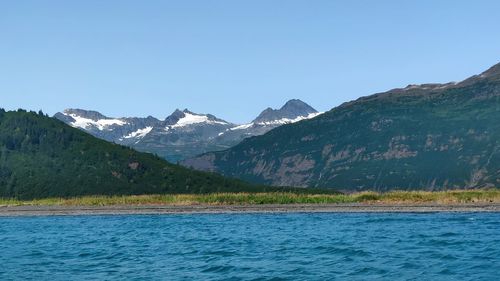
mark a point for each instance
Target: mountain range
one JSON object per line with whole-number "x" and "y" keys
{"x": 429, "y": 136}
{"x": 42, "y": 157}
{"x": 183, "y": 134}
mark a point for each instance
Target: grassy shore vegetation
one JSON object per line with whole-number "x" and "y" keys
{"x": 394, "y": 197}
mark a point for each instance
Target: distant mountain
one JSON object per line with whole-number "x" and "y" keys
{"x": 183, "y": 134}
{"x": 122, "y": 130}
{"x": 43, "y": 157}
{"x": 430, "y": 136}
{"x": 291, "y": 110}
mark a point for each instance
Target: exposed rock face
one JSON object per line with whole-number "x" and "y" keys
{"x": 183, "y": 134}
{"x": 119, "y": 130}
{"x": 291, "y": 110}
{"x": 430, "y": 136}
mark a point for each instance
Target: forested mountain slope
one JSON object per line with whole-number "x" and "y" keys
{"x": 430, "y": 136}
{"x": 41, "y": 157}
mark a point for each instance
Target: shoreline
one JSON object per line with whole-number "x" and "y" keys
{"x": 16, "y": 211}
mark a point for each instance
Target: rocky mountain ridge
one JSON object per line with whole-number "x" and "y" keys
{"x": 429, "y": 136}
{"x": 182, "y": 134}
{"x": 41, "y": 157}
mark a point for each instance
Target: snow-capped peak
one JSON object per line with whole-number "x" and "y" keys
{"x": 86, "y": 123}
{"x": 273, "y": 123}
{"x": 290, "y": 110}
{"x": 183, "y": 133}
{"x": 283, "y": 121}
{"x": 186, "y": 118}
{"x": 190, "y": 118}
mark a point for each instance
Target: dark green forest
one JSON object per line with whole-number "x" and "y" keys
{"x": 43, "y": 157}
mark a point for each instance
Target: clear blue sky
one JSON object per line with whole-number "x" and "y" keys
{"x": 233, "y": 58}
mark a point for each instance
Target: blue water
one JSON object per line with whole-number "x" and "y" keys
{"x": 464, "y": 246}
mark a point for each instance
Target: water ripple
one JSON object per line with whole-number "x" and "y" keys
{"x": 463, "y": 246}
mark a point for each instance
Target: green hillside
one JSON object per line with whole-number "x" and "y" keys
{"x": 43, "y": 157}
{"x": 431, "y": 136}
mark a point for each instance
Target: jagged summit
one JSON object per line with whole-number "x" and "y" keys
{"x": 174, "y": 117}
{"x": 292, "y": 109}
{"x": 183, "y": 133}
{"x": 185, "y": 118}
{"x": 296, "y": 104}
{"x": 120, "y": 130}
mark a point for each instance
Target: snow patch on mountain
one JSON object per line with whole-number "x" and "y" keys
{"x": 191, "y": 119}
{"x": 284, "y": 121}
{"x": 139, "y": 133}
{"x": 242, "y": 127}
{"x": 101, "y": 124}
{"x": 183, "y": 133}
{"x": 273, "y": 123}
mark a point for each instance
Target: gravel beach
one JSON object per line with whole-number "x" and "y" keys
{"x": 211, "y": 209}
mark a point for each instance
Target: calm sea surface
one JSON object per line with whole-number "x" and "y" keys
{"x": 441, "y": 246}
